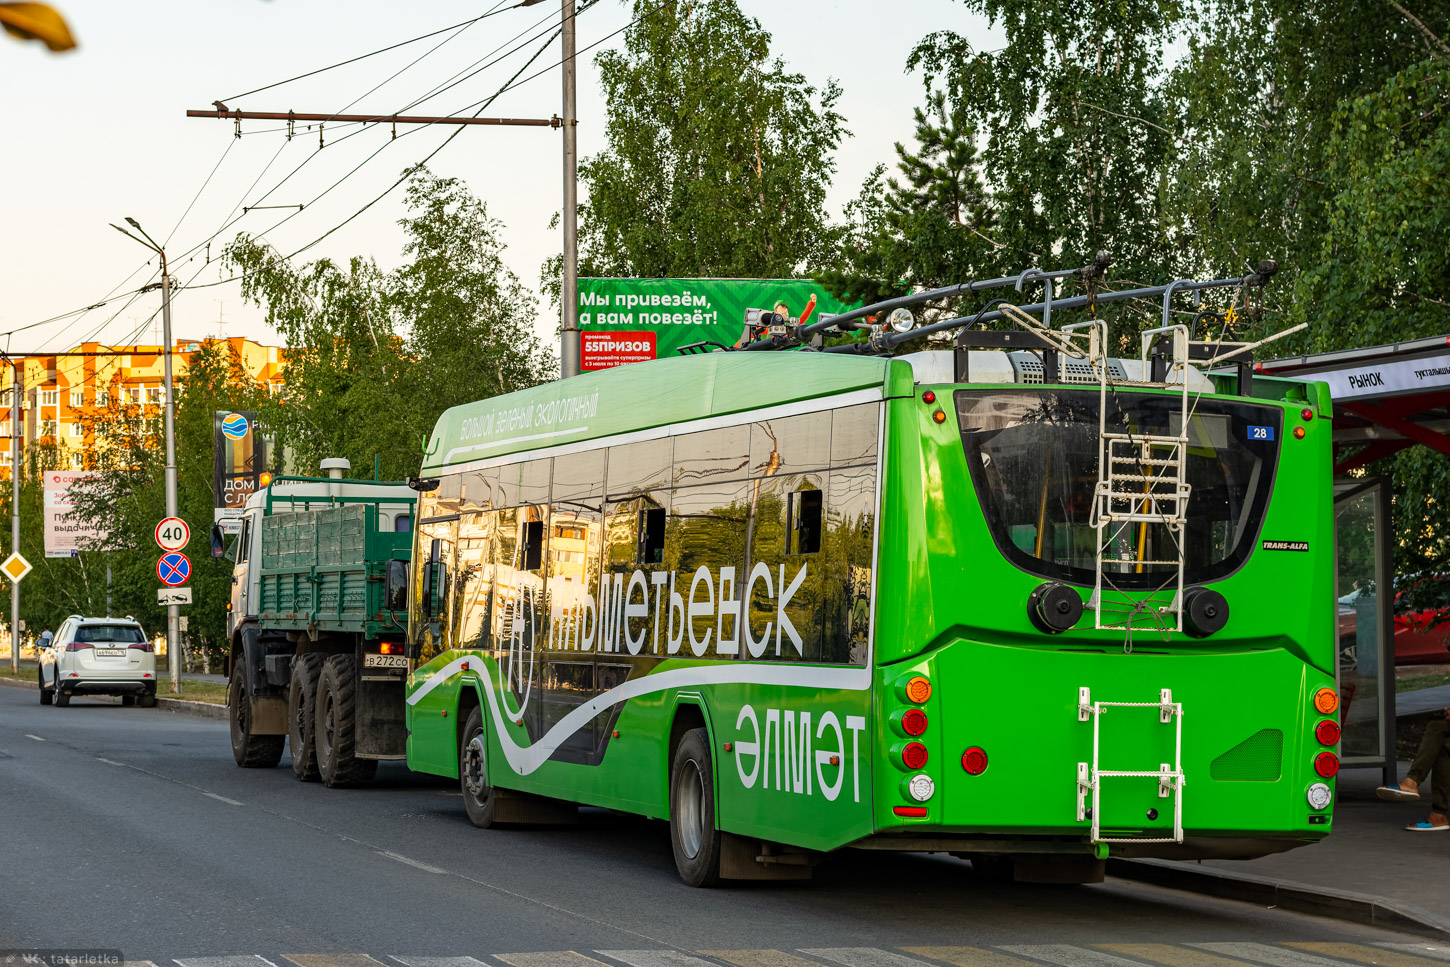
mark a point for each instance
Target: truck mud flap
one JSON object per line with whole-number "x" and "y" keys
{"x": 381, "y": 728}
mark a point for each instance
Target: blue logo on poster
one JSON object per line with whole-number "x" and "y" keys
{"x": 234, "y": 426}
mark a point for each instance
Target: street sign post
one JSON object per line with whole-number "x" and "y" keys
{"x": 173, "y": 569}
{"x": 170, "y": 596}
{"x": 172, "y": 534}
{"x": 15, "y": 567}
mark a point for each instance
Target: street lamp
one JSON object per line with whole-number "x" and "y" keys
{"x": 173, "y": 651}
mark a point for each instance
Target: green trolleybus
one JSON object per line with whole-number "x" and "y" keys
{"x": 1029, "y": 606}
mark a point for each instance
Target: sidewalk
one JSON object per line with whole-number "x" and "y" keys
{"x": 1369, "y": 855}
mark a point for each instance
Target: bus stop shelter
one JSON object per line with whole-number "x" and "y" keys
{"x": 1386, "y": 399}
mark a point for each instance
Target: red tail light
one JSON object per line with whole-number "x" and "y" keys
{"x": 1326, "y": 764}
{"x": 974, "y": 761}
{"x": 143, "y": 646}
{"x": 914, "y": 755}
{"x": 80, "y": 646}
{"x": 914, "y": 721}
{"x": 910, "y": 812}
{"x": 1327, "y": 732}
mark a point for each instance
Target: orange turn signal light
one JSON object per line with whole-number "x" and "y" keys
{"x": 1326, "y": 700}
{"x": 918, "y": 689}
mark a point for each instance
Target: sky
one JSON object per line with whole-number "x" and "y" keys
{"x": 100, "y": 134}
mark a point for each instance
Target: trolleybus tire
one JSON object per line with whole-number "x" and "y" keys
{"x": 334, "y": 732}
{"x": 250, "y": 751}
{"x": 478, "y": 799}
{"x": 301, "y": 716}
{"x": 46, "y": 694}
{"x": 693, "y": 836}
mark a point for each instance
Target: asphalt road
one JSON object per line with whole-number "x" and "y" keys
{"x": 132, "y": 829}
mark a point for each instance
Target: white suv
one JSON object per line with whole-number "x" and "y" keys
{"x": 99, "y": 656}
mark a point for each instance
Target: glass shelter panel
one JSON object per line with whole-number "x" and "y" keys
{"x": 1360, "y": 577}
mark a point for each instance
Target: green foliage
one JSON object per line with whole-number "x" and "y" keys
{"x": 375, "y": 357}
{"x": 718, "y": 158}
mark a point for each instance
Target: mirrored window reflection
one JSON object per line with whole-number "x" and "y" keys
{"x": 639, "y": 467}
{"x": 854, "y": 431}
{"x": 781, "y": 581}
{"x": 428, "y": 612}
{"x": 480, "y": 490}
{"x": 449, "y": 495}
{"x": 712, "y": 455}
{"x": 848, "y": 546}
{"x": 523, "y": 483}
{"x": 795, "y": 444}
{"x": 578, "y": 475}
{"x": 705, "y": 539}
{"x": 474, "y": 581}
{"x": 518, "y": 604}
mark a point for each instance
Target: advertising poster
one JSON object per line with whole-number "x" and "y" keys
{"x": 634, "y": 320}
{"x": 240, "y": 455}
{"x": 65, "y": 535}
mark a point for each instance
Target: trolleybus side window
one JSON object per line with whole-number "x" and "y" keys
{"x": 794, "y": 444}
{"x": 711, "y": 455}
{"x": 428, "y": 613}
{"x": 705, "y": 551}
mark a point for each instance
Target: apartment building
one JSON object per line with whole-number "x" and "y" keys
{"x": 63, "y": 394}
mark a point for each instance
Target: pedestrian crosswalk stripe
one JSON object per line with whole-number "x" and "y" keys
{"x": 655, "y": 958}
{"x": 1437, "y": 951}
{"x": 1263, "y": 953}
{"x": 333, "y": 960}
{"x": 863, "y": 957}
{"x": 245, "y": 960}
{"x": 1368, "y": 955}
{"x": 438, "y": 961}
{"x": 135, "y": 963}
{"x": 550, "y": 958}
{"x": 967, "y": 956}
{"x": 759, "y": 958}
{"x": 1170, "y": 954}
{"x": 1069, "y": 956}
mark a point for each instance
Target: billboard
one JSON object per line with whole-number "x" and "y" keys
{"x": 633, "y": 320}
{"x": 66, "y": 535}
{"x": 239, "y": 454}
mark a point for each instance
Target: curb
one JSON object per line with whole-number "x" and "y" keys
{"x": 202, "y": 709}
{"x": 1268, "y": 891}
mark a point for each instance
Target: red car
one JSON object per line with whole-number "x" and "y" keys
{"x": 1422, "y": 620}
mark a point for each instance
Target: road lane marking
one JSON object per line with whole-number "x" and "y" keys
{"x": 655, "y": 958}
{"x": 759, "y": 958}
{"x": 333, "y": 960}
{"x": 411, "y": 862}
{"x": 1367, "y": 955}
{"x": 1437, "y": 951}
{"x": 229, "y": 802}
{"x": 863, "y": 957}
{"x": 548, "y": 958}
{"x": 245, "y": 960}
{"x": 1068, "y": 955}
{"x": 967, "y": 956}
{"x": 110, "y": 762}
{"x": 438, "y": 961}
{"x": 1170, "y": 954}
{"x": 1269, "y": 954}
{"x": 35, "y": 737}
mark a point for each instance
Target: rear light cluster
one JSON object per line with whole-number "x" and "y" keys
{"x": 145, "y": 646}
{"x": 929, "y": 398}
{"x": 1327, "y": 731}
{"x": 80, "y": 646}
{"x": 912, "y": 722}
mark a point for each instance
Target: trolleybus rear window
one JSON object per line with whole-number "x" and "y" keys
{"x": 1034, "y": 463}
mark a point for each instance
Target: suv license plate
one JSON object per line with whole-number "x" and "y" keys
{"x": 110, "y": 652}
{"x": 385, "y": 661}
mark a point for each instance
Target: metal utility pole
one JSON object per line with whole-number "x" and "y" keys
{"x": 173, "y": 613}
{"x": 16, "y": 389}
{"x": 569, "y": 291}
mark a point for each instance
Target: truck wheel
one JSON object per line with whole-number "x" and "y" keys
{"x": 45, "y": 693}
{"x": 478, "y": 799}
{"x": 693, "y": 835}
{"x": 302, "y": 715}
{"x": 250, "y": 751}
{"x": 335, "y": 727}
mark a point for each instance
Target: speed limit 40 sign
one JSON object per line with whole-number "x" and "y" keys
{"x": 172, "y": 534}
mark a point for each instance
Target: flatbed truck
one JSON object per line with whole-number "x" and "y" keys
{"x": 318, "y": 623}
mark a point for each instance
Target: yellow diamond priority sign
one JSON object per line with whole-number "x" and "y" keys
{"x": 15, "y": 567}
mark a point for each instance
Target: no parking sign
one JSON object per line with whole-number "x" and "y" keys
{"x": 173, "y": 569}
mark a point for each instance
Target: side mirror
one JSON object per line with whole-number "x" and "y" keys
{"x": 395, "y": 593}
{"x": 218, "y": 541}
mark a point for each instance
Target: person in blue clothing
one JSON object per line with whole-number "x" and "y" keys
{"x": 1431, "y": 761}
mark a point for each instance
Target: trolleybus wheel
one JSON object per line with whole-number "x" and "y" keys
{"x": 334, "y": 732}
{"x": 693, "y": 835}
{"x": 250, "y": 751}
{"x": 478, "y": 798}
{"x": 301, "y": 713}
